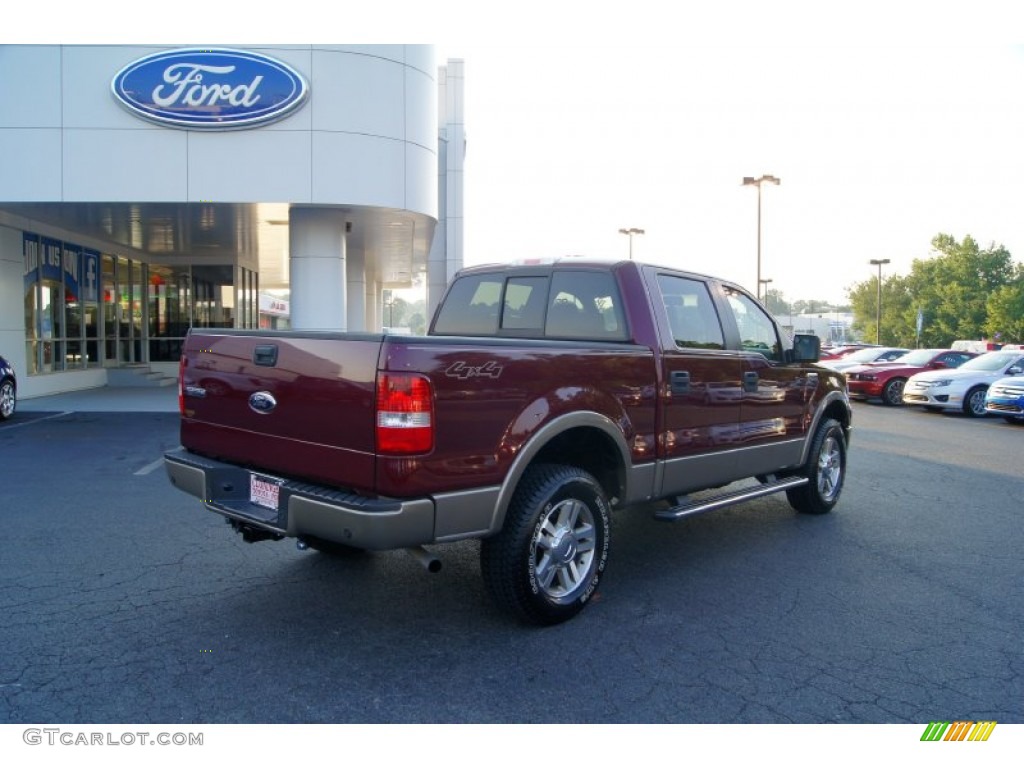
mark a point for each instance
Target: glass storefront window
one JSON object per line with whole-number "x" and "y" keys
{"x": 85, "y": 309}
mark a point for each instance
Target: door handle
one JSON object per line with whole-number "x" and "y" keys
{"x": 679, "y": 382}
{"x": 265, "y": 354}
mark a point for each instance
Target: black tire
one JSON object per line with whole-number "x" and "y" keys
{"x": 974, "y": 402}
{"x": 825, "y": 470}
{"x": 545, "y": 564}
{"x": 893, "y": 392}
{"x": 8, "y": 399}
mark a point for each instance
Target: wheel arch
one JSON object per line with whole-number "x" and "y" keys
{"x": 584, "y": 439}
{"x": 835, "y": 406}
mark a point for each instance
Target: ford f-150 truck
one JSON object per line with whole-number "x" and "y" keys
{"x": 544, "y": 396}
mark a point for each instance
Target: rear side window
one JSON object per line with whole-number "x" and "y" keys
{"x": 691, "y": 315}
{"x": 585, "y": 305}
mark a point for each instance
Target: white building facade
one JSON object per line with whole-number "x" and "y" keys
{"x": 145, "y": 190}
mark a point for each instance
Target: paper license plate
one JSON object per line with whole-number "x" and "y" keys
{"x": 265, "y": 491}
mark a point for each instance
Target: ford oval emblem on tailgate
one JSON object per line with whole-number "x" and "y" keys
{"x": 262, "y": 402}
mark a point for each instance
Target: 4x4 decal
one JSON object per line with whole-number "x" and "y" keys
{"x": 460, "y": 370}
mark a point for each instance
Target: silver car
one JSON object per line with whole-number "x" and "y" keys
{"x": 964, "y": 388}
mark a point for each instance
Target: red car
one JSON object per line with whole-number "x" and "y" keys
{"x": 886, "y": 380}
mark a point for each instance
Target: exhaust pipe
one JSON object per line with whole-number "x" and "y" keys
{"x": 431, "y": 562}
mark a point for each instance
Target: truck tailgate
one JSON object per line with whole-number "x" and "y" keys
{"x": 297, "y": 404}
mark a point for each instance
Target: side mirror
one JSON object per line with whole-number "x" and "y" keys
{"x": 1014, "y": 370}
{"x": 806, "y": 348}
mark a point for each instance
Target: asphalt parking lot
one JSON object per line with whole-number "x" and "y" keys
{"x": 124, "y": 601}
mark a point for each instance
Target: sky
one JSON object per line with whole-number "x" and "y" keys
{"x": 877, "y": 148}
{"x": 886, "y": 122}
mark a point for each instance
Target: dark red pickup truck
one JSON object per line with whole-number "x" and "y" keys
{"x": 544, "y": 396}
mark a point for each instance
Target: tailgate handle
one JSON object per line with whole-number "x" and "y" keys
{"x": 265, "y": 354}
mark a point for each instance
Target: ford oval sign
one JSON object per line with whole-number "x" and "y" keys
{"x": 209, "y": 88}
{"x": 262, "y": 402}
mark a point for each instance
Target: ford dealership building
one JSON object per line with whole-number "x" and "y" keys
{"x": 145, "y": 190}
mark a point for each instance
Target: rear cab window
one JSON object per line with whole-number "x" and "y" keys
{"x": 563, "y": 304}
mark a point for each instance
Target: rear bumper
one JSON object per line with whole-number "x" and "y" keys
{"x": 304, "y": 509}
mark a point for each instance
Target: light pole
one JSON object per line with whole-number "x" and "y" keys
{"x": 878, "y": 299}
{"x": 630, "y": 232}
{"x": 749, "y": 181}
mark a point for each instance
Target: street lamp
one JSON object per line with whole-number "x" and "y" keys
{"x": 750, "y": 181}
{"x": 631, "y": 231}
{"x": 878, "y": 299}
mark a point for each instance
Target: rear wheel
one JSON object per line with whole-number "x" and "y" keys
{"x": 825, "y": 470}
{"x": 893, "y": 392}
{"x": 546, "y": 562}
{"x": 974, "y": 402}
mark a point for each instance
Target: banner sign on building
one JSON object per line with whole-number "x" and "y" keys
{"x": 209, "y": 89}
{"x": 49, "y": 259}
{"x": 30, "y": 252}
{"x": 72, "y": 269}
{"x": 90, "y": 275}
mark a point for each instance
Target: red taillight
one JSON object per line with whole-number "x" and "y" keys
{"x": 181, "y": 386}
{"x": 405, "y": 413}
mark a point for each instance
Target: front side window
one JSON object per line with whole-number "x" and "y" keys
{"x": 757, "y": 331}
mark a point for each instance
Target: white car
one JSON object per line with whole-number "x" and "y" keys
{"x": 964, "y": 388}
{"x": 865, "y": 356}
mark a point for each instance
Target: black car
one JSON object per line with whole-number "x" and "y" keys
{"x": 8, "y": 390}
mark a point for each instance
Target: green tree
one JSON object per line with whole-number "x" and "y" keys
{"x": 1006, "y": 311}
{"x": 776, "y": 303}
{"x": 951, "y": 290}
{"x": 897, "y": 329}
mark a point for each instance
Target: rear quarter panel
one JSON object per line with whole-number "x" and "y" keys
{"x": 492, "y": 396}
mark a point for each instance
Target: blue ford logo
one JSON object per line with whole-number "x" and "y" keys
{"x": 262, "y": 402}
{"x": 209, "y": 89}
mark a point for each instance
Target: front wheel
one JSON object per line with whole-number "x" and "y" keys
{"x": 893, "y": 392}
{"x": 825, "y": 471}
{"x": 974, "y": 402}
{"x": 8, "y": 399}
{"x": 546, "y": 562}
